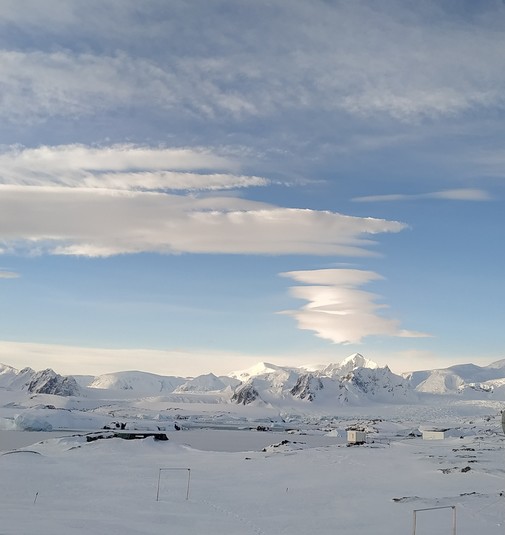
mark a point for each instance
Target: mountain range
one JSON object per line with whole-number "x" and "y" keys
{"x": 354, "y": 381}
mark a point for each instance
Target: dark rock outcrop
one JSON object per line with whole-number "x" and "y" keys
{"x": 306, "y": 387}
{"x": 49, "y": 382}
{"x": 245, "y": 394}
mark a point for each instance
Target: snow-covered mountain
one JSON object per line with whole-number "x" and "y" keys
{"x": 354, "y": 381}
{"x": 42, "y": 382}
{"x": 207, "y": 383}
{"x": 265, "y": 383}
{"x": 49, "y": 382}
{"x": 356, "y": 360}
{"x": 460, "y": 379}
{"x": 7, "y": 375}
{"x": 138, "y": 382}
{"x": 307, "y": 387}
{"x": 245, "y": 394}
{"x": 347, "y": 365}
{"x": 381, "y": 384}
{"x": 261, "y": 369}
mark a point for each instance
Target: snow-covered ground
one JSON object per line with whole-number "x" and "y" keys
{"x": 68, "y": 485}
{"x": 278, "y": 464}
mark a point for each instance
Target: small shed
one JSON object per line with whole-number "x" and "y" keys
{"x": 434, "y": 434}
{"x": 356, "y": 437}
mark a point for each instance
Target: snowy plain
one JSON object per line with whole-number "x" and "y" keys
{"x": 254, "y": 469}
{"x": 68, "y": 485}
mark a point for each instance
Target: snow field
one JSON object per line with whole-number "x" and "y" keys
{"x": 109, "y": 486}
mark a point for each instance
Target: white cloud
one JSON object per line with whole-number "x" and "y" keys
{"x": 19, "y": 163}
{"x": 97, "y": 222}
{"x": 37, "y": 85}
{"x": 338, "y": 310}
{"x": 122, "y": 167}
{"x": 8, "y": 274}
{"x": 305, "y": 57}
{"x": 86, "y": 201}
{"x": 461, "y": 194}
{"x": 159, "y": 180}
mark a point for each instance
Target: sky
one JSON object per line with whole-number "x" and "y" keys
{"x": 189, "y": 187}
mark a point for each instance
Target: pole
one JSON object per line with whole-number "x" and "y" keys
{"x": 189, "y": 477}
{"x": 158, "y": 491}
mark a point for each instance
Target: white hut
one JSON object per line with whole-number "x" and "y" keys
{"x": 434, "y": 434}
{"x": 356, "y": 437}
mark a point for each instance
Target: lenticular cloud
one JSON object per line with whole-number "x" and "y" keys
{"x": 337, "y": 309}
{"x": 79, "y": 200}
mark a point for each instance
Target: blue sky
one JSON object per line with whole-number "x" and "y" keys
{"x": 196, "y": 186}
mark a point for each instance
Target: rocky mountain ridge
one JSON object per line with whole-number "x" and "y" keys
{"x": 42, "y": 382}
{"x": 356, "y": 381}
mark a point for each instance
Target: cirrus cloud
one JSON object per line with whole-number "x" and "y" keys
{"x": 4, "y": 274}
{"x": 122, "y": 167}
{"x": 254, "y": 61}
{"x": 38, "y": 85}
{"x": 460, "y": 194}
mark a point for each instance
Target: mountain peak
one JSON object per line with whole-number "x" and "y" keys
{"x": 49, "y": 382}
{"x": 258, "y": 369}
{"x": 359, "y": 361}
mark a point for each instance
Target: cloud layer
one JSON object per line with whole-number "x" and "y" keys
{"x": 255, "y": 60}
{"x": 122, "y": 167}
{"x": 337, "y": 308}
{"x": 79, "y": 200}
{"x": 68, "y": 359}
